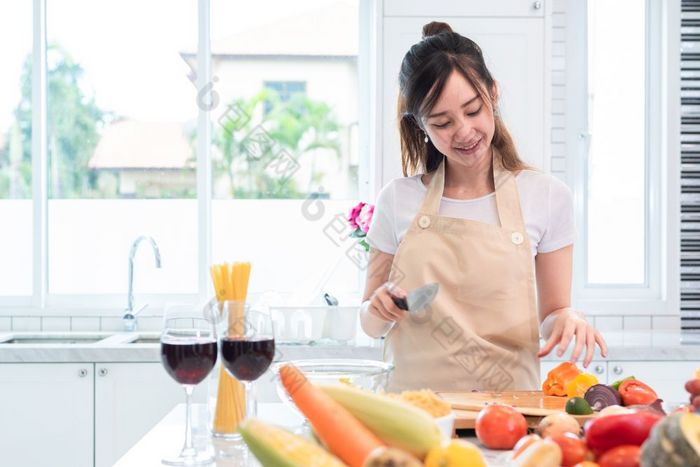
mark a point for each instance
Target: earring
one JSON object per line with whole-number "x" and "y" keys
{"x": 425, "y": 140}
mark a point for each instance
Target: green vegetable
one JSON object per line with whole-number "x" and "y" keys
{"x": 674, "y": 442}
{"x": 578, "y": 406}
{"x": 616, "y": 384}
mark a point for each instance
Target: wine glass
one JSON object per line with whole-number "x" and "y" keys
{"x": 188, "y": 349}
{"x": 247, "y": 348}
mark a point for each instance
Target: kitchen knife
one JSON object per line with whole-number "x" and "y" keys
{"x": 418, "y": 298}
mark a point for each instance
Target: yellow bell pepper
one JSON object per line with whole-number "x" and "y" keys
{"x": 455, "y": 453}
{"x": 578, "y": 386}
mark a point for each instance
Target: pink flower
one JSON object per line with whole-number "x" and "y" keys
{"x": 364, "y": 219}
{"x": 354, "y": 213}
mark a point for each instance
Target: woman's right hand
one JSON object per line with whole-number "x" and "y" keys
{"x": 382, "y": 305}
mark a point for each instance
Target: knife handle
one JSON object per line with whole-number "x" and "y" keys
{"x": 400, "y": 302}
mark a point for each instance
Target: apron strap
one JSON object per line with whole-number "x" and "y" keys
{"x": 507, "y": 198}
{"x": 431, "y": 203}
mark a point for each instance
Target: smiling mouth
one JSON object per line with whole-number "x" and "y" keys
{"x": 468, "y": 148}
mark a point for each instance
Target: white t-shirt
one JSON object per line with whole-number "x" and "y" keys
{"x": 545, "y": 201}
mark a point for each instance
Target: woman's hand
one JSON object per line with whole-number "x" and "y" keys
{"x": 566, "y": 324}
{"x": 383, "y": 306}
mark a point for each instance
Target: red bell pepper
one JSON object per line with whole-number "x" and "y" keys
{"x": 605, "y": 433}
{"x": 635, "y": 392}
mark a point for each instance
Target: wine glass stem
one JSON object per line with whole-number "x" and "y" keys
{"x": 188, "y": 448}
{"x": 251, "y": 404}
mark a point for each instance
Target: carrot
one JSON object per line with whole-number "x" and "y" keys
{"x": 345, "y": 436}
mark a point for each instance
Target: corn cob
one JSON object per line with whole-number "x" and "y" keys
{"x": 393, "y": 421}
{"x": 275, "y": 447}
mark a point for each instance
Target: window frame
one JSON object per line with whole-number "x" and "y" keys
{"x": 41, "y": 301}
{"x": 659, "y": 294}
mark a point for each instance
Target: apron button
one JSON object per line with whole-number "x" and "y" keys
{"x": 424, "y": 222}
{"x": 517, "y": 238}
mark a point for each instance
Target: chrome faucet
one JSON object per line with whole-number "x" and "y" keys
{"x": 129, "y": 317}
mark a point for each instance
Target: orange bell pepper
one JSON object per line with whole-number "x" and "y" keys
{"x": 558, "y": 377}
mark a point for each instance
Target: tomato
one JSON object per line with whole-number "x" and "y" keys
{"x": 587, "y": 464}
{"x": 635, "y": 392}
{"x": 573, "y": 448}
{"x": 500, "y": 426}
{"x": 621, "y": 456}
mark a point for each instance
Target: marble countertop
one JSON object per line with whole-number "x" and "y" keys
{"x": 120, "y": 347}
{"x": 167, "y": 437}
{"x": 126, "y": 347}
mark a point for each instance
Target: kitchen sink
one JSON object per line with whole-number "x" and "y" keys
{"x": 146, "y": 340}
{"x": 44, "y": 340}
{"x": 53, "y": 338}
{"x": 149, "y": 337}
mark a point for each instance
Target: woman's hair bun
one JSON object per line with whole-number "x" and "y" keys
{"x": 435, "y": 28}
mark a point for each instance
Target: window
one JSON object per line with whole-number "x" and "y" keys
{"x": 617, "y": 116}
{"x": 283, "y": 91}
{"x": 616, "y": 122}
{"x": 124, "y": 116}
{"x": 285, "y": 142}
{"x": 15, "y": 149}
{"x": 121, "y": 135}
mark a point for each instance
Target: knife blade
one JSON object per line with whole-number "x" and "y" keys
{"x": 418, "y": 298}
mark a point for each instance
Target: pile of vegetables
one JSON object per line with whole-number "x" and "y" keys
{"x": 355, "y": 428}
{"x": 358, "y": 428}
{"x": 588, "y": 396}
{"x": 629, "y": 430}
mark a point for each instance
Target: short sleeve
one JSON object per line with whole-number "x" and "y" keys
{"x": 382, "y": 231}
{"x": 560, "y": 230}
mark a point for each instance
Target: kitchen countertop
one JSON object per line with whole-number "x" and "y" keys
{"x": 167, "y": 436}
{"x": 622, "y": 346}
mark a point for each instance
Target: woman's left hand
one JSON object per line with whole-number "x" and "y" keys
{"x": 569, "y": 324}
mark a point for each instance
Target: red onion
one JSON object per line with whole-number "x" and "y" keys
{"x": 654, "y": 407}
{"x": 600, "y": 396}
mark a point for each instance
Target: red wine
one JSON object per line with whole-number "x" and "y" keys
{"x": 247, "y": 359}
{"x": 188, "y": 362}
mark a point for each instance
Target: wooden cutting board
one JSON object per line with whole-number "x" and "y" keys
{"x": 466, "y": 419}
{"x": 533, "y": 404}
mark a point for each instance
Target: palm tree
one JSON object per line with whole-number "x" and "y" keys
{"x": 273, "y": 128}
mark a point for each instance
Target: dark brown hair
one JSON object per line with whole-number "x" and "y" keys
{"x": 424, "y": 71}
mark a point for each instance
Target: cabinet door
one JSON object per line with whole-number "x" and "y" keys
{"x": 47, "y": 414}
{"x": 514, "y": 52}
{"x": 510, "y": 8}
{"x": 667, "y": 378}
{"x": 130, "y": 398}
{"x": 598, "y": 368}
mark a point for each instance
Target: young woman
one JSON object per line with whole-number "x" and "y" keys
{"x": 496, "y": 235}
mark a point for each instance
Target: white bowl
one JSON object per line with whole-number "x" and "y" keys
{"x": 371, "y": 375}
{"x": 446, "y": 425}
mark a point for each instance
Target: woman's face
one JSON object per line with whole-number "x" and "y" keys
{"x": 461, "y": 125}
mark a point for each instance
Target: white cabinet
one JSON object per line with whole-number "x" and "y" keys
{"x": 130, "y": 398}
{"x": 667, "y": 378}
{"x": 47, "y": 414}
{"x": 514, "y": 50}
{"x": 511, "y": 8}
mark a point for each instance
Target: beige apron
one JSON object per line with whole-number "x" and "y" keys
{"x": 481, "y": 331}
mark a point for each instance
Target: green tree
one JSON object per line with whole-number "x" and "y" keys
{"x": 303, "y": 126}
{"x": 74, "y": 121}
{"x": 296, "y": 127}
